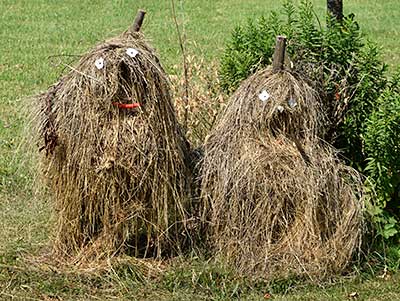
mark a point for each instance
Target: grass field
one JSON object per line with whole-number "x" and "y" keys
{"x": 37, "y": 36}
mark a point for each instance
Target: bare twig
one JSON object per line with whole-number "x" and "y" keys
{"x": 185, "y": 65}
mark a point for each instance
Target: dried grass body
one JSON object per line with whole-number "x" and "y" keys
{"x": 119, "y": 177}
{"x": 279, "y": 201}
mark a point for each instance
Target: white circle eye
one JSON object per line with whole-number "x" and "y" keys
{"x": 264, "y": 95}
{"x": 99, "y": 63}
{"x": 132, "y": 52}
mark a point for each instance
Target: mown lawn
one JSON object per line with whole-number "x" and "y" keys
{"x": 37, "y": 37}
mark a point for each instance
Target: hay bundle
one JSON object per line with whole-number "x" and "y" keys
{"x": 115, "y": 158}
{"x": 280, "y": 202}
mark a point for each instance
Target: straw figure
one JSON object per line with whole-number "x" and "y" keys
{"x": 113, "y": 154}
{"x": 277, "y": 199}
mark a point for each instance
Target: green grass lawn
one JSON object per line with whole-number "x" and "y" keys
{"x": 37, "y": 37}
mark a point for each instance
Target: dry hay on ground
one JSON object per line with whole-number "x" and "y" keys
{"x": 119, "y": 176}
{"x": 278, "y": 200}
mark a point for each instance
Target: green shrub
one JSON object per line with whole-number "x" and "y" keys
{"x": 250, "y": 48}
{"x": 382, "y": 146}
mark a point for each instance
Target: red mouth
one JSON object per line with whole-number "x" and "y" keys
{"x": 126, "y": 105}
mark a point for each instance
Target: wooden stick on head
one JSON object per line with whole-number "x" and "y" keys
{"x": 279, "y": 54}
{"x": 137, "y": 24}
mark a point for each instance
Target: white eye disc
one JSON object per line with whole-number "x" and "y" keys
{"x": 132, "y": 52}
{"x": 264, "y": 96}
{"x": 99, "y": 63}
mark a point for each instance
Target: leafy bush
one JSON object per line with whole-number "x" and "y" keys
{"x": 349, "y": 68}
{"x": 382, "y": 146}
{"x": 250, "y": 48}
